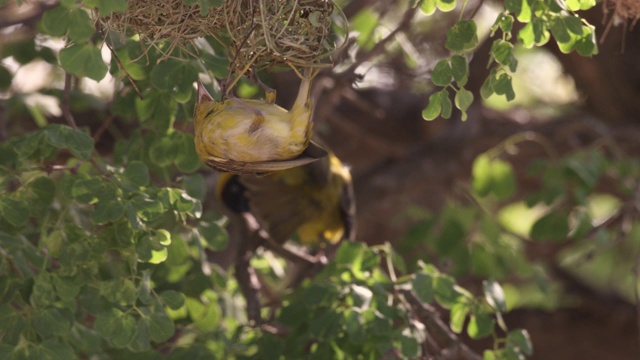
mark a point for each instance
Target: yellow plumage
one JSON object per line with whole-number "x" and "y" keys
{"x": 249, "y": 136}
{"x": 314, "y": 201}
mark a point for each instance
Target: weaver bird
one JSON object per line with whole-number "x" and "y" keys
{"x": 314, "y": 202}
{"x": 255, "y": 136}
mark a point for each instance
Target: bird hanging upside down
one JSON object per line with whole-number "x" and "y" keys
{"x": 255, "y": 136}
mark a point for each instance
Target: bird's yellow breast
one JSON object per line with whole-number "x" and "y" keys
{"x": 247, "y": 130}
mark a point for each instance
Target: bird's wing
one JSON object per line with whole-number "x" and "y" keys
{"x": 312, "y": 153}
{"x": 278, "y": 207}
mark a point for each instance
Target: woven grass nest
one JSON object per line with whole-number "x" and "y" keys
{"x": 262, "y": 33}
{"x": 625, "y": 9}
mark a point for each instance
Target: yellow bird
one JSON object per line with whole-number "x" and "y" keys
{"x": 255, "y": 136}
{"x": 315, "y": 202}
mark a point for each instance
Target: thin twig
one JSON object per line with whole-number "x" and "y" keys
{"x": 98, "y": 134}
{"x": 430, "y": 317}
{"x": 121, "y": 66}
{"x": 379, "y": 47}
{"x": 475, "y": 11}
{"x": 66, "y": 110}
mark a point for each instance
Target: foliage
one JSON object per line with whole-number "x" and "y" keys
{"x": 541, "y": 19}
{"x": 488, "y": 237}
{"x": 104, "y": 244}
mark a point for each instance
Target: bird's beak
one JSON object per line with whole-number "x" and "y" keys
{"x": 203, "y": 94}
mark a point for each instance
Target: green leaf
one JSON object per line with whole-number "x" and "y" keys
{"x": 65, "y": 287}
{"x": 124, "y": 331}
{"x": 575, "y": 5}
{"x": 51, "y": 322}
{"x": 447, "y": 106}
{"x": 480, "y": 326}
{"x": 173, "y": 299}
{"x": 195, "y": 186}
{"x": 494, "y": 295}
{"x": 587, "y": 45}
{"x": 56, "y": 21}
{"x": 144, "y": 249}
{"x": 464, "y": 99}
{"x": 441, "y": 75}
{"x": 526, "y": 36}
{"x": 445, "y": 293}
{"x": 365, "y": 22}
{"x": 160, "y": 327}
{"x": 458, "y": 315}
{"x": 451, "y": 237}
{"x": 506, "y": 24}
{"x": 446, "y": 5}
{"x": 520, "y": 338}
{"x": 106, "y": 7}
{"x": 502, "y": 52}
{"x": 574, "y": 24}
{"x": 136, "y": 173}
{"x": 325, "y": 325}
{"x": 487, "y": 86}
{"x": 51, "y": 350}
{"x": 14, "y": 211}
{"x": 84, "y": 190}
{"x": 462, "y": 36}
{"x": 524, "y": 14}
{"x": 79, "y": 143}
{"x": 460, "y": 69}
{"x": 428, "y": 7}
{"x": 158, "y": 256}
{"x": 163, "y": 151}
{"x": 217, "y": 65}
{"x": 493, "y": 176}
{"x": 504, "y": 181}
{"x": 504, "y": 86}
{"x": 513, "y": 6}
{"x": 113, "y": 324}
{"x": 349, "y": 253}
{"x": 559, "y": 30}
{"x": 173, "y": 73}
{"x": 540, "y": 33}
{"x": 147, "y": 208}
{"x": 83, "y": 60}
{"x": 81, "y": 27}
{"x": 434, "y": 107}
{"x": 552, "y": 226}
{"x": 44, "y": 189}
{"x": 107, "y": 211}
{"x": 422, "y": 285}
{"x": 106, "y": 322}
{"x": 163, "y": 237}
{"x": 410, "y": 347}
{"x": 141, "y": 342}
{"x": 187, "y": 159}
{"x": 119, "y": 291}
{"x": 215, "y": 236}
{"x": 61, "y": 136}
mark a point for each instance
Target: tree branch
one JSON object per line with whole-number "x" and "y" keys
{"x": 66, "y": 109}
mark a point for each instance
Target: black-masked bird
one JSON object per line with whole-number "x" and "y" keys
{"x": 313, "y": 203}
